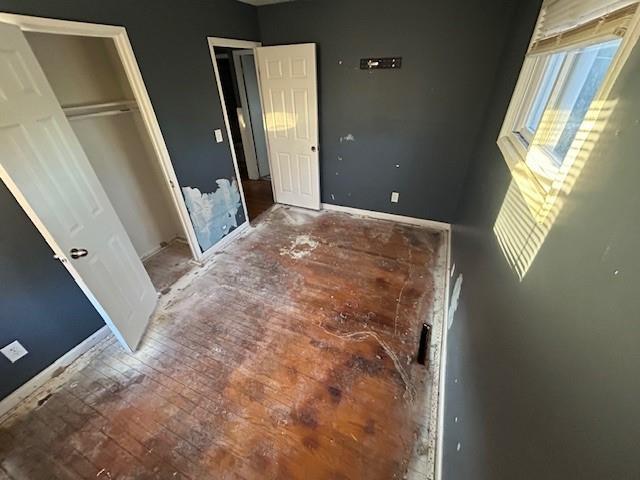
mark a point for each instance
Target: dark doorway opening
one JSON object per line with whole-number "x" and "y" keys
{"x": 239, "y": 83}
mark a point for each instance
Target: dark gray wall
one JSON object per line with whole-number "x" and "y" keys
{"x": 542, "y": 374}
{"x": 425, "y": 117}
{"x": 169, "y": 40}
{"x": 40, "y": 303}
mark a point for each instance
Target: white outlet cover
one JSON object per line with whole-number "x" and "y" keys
{"x": 14, "y": 351}
{"x": 395, "y": 196}
{"x": 218, "y": 134}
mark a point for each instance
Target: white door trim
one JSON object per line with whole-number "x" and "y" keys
{"x": 229, "y": 43}
{"x": 125, "y": 52}
{"x": 232, "y": 43}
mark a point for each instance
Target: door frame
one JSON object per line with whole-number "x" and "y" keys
{"x": 251, "y": 156}
{"x": 245, "y": 45}
{"x": 28, "y": 23}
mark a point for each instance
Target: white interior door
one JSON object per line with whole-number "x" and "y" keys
{"x": 290, "y": 104}
{"x": 44, "y": 166}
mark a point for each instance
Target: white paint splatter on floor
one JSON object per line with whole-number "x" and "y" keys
{"x": 300, "y": 247}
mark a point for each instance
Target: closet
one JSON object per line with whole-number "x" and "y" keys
{"x": 90, "y": 83}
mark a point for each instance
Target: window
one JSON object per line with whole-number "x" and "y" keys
{"x": 557, "y": 114}
{"x": 571, "y": 64}
{"x": 542, "y": 93}
{"x": 560, "y": 97}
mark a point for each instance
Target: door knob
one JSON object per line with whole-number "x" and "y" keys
{"x": 78, "y": 252}
{"x": 313, "y": 148}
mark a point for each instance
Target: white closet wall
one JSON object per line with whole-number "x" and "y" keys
{"x": 87, "y": 71}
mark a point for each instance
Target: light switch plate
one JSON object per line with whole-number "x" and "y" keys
{"x": 395, "y": 196}
{"x": 218, "y": 134}
{"x": 14, "y": 351}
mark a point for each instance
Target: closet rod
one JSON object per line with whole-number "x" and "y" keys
{"x": 100, "y": 109}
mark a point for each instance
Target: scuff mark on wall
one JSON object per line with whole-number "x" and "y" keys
{"x": 455, "y": 297}
{"x": 213, "y": 214}
{"x": 348, "y": 138}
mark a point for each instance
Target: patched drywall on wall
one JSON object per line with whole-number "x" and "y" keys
{"x": 213, "y": 214}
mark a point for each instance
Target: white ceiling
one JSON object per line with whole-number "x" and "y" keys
{"x": 257, "y": 3}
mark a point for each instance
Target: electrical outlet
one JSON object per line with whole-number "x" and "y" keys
{"x": 395, "y": 196}
{"x": 218, "y": 133}
{"x": 14, "y": 351}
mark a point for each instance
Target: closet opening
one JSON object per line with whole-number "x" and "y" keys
{"x": 238, "y": 81}
{"x": 90, "y": 83}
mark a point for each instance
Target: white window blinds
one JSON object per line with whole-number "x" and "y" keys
{"x": 564, "y": 23}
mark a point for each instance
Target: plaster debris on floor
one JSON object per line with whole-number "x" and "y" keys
{"x": 290, "y": 354}
{"x": 300, "y": 247}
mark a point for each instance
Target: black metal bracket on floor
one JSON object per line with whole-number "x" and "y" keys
{"x": 425, "y": 341}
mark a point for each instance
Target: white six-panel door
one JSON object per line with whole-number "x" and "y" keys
{"x": 290, "y": 106}
{"x": 46, "y": 169}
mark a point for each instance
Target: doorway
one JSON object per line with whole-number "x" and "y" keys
{"x": 238, "y": 83}
{"x": 274, "y": 87}
{"x": 82, "y": 153}
{"x": 90, "y": 84}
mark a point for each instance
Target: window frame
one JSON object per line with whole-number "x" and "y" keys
{"x": 541, "y": 179}
{"x": 539, "y": 69}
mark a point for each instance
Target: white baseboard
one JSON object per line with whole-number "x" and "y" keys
{"x": 443, "y": 369}
{"x": 160, "y": 248}
{"x": 32, "y": 386}
{"x": 226, "y": 240}
{"x": 153, "y": 251}
{"x": 389, "y": 216}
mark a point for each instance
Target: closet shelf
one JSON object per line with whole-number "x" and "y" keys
{"x": 100, "y": 109}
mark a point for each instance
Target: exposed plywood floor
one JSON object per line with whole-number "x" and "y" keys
{"x": 288, "y": 356}
{"x": 169, "y": 265}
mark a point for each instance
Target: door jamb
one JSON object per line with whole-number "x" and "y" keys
{"x": 120, "y": 38}
{"x": 229, "y": 43}
{"x": 244, "y": 102}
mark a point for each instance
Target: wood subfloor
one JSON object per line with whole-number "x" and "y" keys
{"x": 290, "y": 355}
{"x": 258, "y": 195}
